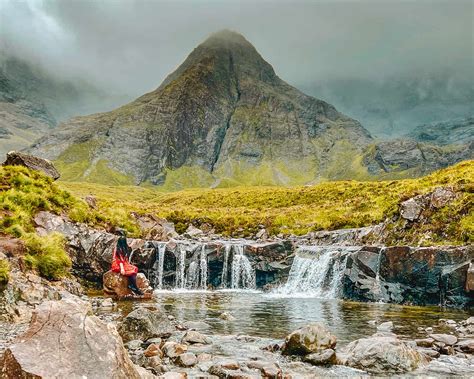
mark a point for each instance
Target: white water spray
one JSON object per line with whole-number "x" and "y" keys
{"x": 161, "y": 262}
{"x": 317, "y": 271}
{"x": 243, "y": 275}
{"x": 225, "y": 266}
{"x": 203, "y": 267}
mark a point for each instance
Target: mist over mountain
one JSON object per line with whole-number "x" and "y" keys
{"x": 32, "y": 101}
{"x": 393, "y": 107}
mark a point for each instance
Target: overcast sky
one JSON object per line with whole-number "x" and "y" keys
{"x": 130, "y": 46}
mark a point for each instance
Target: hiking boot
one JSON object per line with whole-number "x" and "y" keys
{"x": 135, "y": 290}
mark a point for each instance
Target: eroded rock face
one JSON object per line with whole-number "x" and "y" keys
{"x": 116, "y": 285}
{"x": 312, "y": 338}
{"x": 143, "y": 324}
{"x": 379, "y": 355}
{"x": 65, "y": 341}
{"x": 15, "y": 158}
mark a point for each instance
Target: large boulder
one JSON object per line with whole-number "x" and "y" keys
{"x": 155, "y": 228}
{"x": 65, "y": 340}
{"x": 381, "y": 355}
{"x": 312, "y": 338}
{"x": 15, "y": 158}
{"x": 116, "y": 286}
{"x": 143, "y": 324}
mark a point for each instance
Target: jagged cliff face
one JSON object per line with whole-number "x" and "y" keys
{"x": 222, "y": 118}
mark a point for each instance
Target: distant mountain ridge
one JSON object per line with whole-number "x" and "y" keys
{"x": 223, "y": 118}
{"x": 32, "y": 102}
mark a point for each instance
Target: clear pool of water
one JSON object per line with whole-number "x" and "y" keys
{"x": 274, "y": 316}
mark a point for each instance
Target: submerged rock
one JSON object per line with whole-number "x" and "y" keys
{"x": 143, "y": 324}
{"x": 312, "y": 338}
{"x": 65, "y": 341}
{"x": 380, "y": 355}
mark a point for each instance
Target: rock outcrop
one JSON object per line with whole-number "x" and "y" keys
{"x": 116, "y": 286}
{"x": 15, "y": 158}
{"x": 382, "y": 355}
{"x": 402, "y": 274}
{"x": 65, "y": 341}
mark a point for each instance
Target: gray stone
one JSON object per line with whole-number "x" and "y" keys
{"x": 15, "y": 158}
{"x": 312, "y": 338}
{"x": 381, "y": 355}
{"x": 186, "y": 360}
{"x": 411, "y": 209}
{"x": 325, "y": 357}
{"x": 447, "y": 339}
{"x": 144, "y": 324}
{"x": 192, "y": 337}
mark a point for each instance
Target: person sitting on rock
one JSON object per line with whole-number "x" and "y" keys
{"x": 121, "y": 262}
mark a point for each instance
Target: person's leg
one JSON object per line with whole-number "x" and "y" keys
{"x": 132, "y": 284}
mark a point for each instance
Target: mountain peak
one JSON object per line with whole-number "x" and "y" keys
{"x": 226, "y": 36}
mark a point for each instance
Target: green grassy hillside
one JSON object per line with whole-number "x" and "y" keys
{"x": 297, "y": 210}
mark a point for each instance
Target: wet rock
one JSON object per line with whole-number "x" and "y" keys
{"x": 87, "y": 346}
{"x": 144, "y": 324}
{"x": 155, "y": 363}
{"x": 469, "y": 286}
{"x": 15, "y": 158}
{"x": 186, "y": 360}
{"x": 192, "y": 337}
{"x": 312, "y": 338}
{"x": 267, "y": 369}
{"x": 446, "y": 339}
{"x": 153, "y": 350}
{"x": 466, "y": 346}
{"x": 116, "y": 286}
{"x": 380, "y": 355}
{"x": 173, "y": 349}
{"x": 204, "y": 357}
{"x": 424, "y": 342}
{"x": 325, "y": 357}
{"x": 431, "y": 353}
{"x": 196, "y": 325}
{"x": 411, "y": 209}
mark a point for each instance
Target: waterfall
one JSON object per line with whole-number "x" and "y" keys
{"x": 203, "y": 267}
{"x": 192, "y": 278}
{"x": 161, "y": 262}
{"x": 377, "y": 284}
{"x": 243, "y": 275}
{"x": 225, "y": 266}
{"x": 317, "y": 271}
{"x": 180, "y": 269}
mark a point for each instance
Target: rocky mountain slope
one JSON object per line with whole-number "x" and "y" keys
{"x": 32, "y": 102}
{"x": 223, "y": 118}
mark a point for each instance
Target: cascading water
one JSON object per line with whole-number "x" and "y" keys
{"x": 243, "y": 275}
{"x": 225, "y": 266}
{"x": 161, "y": 262}
{"x": 192, "y": 277}
{"x": 180, "y": 269}
{"x": 203, "y": 267}
{"x": 317, "y": 271}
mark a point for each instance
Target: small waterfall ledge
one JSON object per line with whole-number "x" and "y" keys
{"x": 366, "y": 273}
